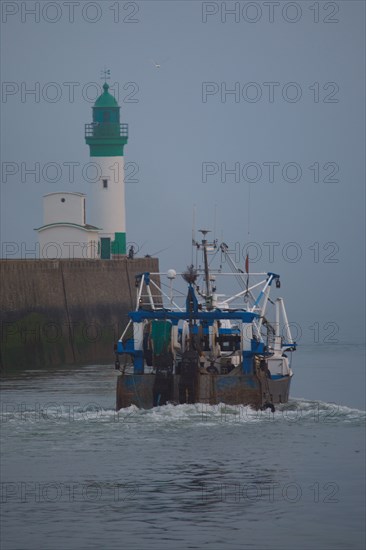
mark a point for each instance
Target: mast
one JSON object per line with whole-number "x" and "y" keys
{"x": 205, "y": 260}
{"x": 204, "y": 245}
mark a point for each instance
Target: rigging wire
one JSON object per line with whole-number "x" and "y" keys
{"x": 193, "y": 230}
{"x": 248, "y": 215}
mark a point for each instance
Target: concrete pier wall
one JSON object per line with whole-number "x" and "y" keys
{"x": 56, "y": 312}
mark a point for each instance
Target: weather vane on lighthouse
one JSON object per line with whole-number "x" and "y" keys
{"x": 106, "y": 74}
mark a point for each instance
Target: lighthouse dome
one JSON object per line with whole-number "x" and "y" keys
{"x": 106, "y": 99}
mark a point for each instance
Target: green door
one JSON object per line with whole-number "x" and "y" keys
{"x": 105, "y": 248}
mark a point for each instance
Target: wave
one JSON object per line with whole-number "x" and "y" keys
{"x": 320, "y": 411}
{"x": 296, "y": 410}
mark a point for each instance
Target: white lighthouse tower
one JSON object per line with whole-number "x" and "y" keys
{"x": 106, "y": 138}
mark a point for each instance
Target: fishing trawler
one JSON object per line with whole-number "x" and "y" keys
{"x": 214, "y": 348}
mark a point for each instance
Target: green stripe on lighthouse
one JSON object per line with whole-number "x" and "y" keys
{"x": 119, "y": 244}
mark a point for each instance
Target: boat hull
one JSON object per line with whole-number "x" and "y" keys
{"x": 232, "y": 389}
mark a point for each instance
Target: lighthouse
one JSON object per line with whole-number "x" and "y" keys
{"x": 106, "y": 137}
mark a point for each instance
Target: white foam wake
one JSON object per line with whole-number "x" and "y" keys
{"x": 297, "y": 410}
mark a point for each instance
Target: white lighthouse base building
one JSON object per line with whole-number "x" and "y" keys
{"x": 65, "y": 233}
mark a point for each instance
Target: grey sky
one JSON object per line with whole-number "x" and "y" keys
{"x": 173, "y": 132}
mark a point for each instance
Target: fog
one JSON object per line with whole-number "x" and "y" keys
{"x": 233, "y": 108}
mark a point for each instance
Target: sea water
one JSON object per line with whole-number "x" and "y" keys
{"x": 75, "y": 474}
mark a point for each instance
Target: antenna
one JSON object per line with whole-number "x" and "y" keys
{"x": 214, "y": 224}
{"x": 248, "y": 215}
{"x": 194, "y": 224}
